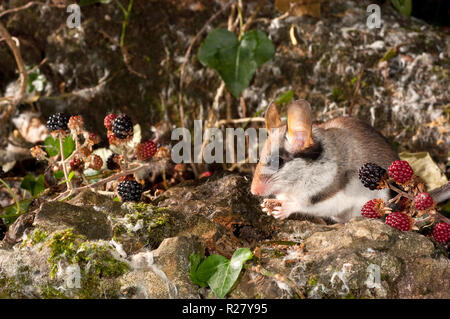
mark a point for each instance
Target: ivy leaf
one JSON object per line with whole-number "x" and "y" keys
{"x": 403, "y": 6}
{"x": 236, "y": 61}
{"x": 195, "y": 260}
{"x": 52, "y": 146}
{"x": 34, "y": 185}
{"x": 228, "y": 272}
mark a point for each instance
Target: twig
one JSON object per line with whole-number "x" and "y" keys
{"x": 29, "y": 5}
{"x": 355, "y": 92}
{"x": 242, "y": 120}
{"x": 186, "y": 58}
{"x": 22, "y": 71}
{"x": 103, "y": 181}
{"x": 66, "y": 174}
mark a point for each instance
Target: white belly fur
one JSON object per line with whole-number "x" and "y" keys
{"x": 341, "y": 207}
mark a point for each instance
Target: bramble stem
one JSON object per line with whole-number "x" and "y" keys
{"x": 403, "y": 193}
{"x": 66, "y": 175}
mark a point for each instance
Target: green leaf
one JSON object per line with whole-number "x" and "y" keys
{"x": 58, "y": 174}
{"x": 52, "y": 146}
{"x": 228, "y": 272}
{"x": 209, "y": 267}
{"x": 34, "y": 185}
{"x": 403, "y": 6}
{"x": 195, "y": 260}
{"x": 89, "y": 2}
{"x": 285, "y": 97}
{"x": 236, "y": 61}
{"x": 10, "y": 213}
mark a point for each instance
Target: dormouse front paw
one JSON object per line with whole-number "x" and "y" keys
{"x": 274, "y": 207}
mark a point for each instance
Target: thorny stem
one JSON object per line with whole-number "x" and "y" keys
{"x": 102, "y": 182}
{"x": 66, "y": 175}
{"x": 403, "y": 193}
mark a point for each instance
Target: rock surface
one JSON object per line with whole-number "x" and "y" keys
{"x": 142, "y": 250}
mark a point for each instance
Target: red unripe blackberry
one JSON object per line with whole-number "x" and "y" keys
{"x": 399, "y": 220}
{"x": 400, "y": 171}
{"x": 112, "y": 163}
{"x": 130, "y": 191}
{"x": 371, "y": 174}
{"x": 441, "y": 232}
{"x": 95, "y": 162}
{"x": 75, "y": 123}
{"x": 108, "y": 121}
{"x": 93, "y": 139}
{"x": 372, "y": 209}
{"x": 75, "y": 164}
{"x": 112, "y": 138}
{"x": 57, "y": 122}
{"x": 122, "y": 127}
{"x": 423, "y": 201}
{"x": 146, "y": 150}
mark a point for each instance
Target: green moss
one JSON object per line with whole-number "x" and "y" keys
{"x": 350, "y": 295}
{"x": 67, "y": 246}
{"x": 38, "y": 236}
{"x": 50, "y": 292}
{"x": 312, "y": 281}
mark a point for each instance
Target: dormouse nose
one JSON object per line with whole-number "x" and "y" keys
{"x": 258, "y": 187}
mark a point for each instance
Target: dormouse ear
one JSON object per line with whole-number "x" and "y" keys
{"x": 272, "y": 117}
{"x": 299, "y": 125}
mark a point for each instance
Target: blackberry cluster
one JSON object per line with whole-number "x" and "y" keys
{"x": 58, "y": 121}
{"x": 111, "y": 162}
{"x": 122, "y": 127}
{"x": 130, "y": 191}
{"x": 371, "y": 174}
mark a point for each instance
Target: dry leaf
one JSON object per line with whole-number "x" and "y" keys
{"x": 299, "y": 7}
{"x": 424, "y": 167}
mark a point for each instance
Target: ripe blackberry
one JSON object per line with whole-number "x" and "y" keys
{"x": 3, "y": 229}
{"x": 423, "y": 201}
{"x": 108, "y": 121}
{"x": 112, "y": 163}
{"x": 122, "y": 127}
{"x": 441, "y": 232}
{"x": 146, "y": 150}
{"x": 2, "y": 173}
{"x": 400, "y": 171}
{"x": 130, "y": 191}
{"x": 371, "y": 175}
{"x": 373, "y": 208}
{"x": 399, "y": 220}
{"x": 58, "y": 121}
